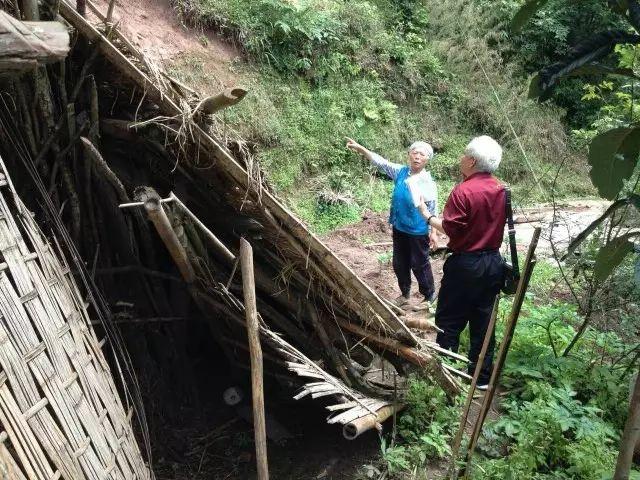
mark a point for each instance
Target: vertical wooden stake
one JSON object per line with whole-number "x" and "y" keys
{"x": 255, "y": 351}
{"x": 81, "y": 7}
{"x": 630, "y": 436}
{"x": 509, "y": 330}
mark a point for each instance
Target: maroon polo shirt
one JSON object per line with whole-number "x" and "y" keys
{"x": 474, "y": 215}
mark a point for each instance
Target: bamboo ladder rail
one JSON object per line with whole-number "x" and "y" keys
{"x": 509, "y": 331}
{"x": 472, "y": 388}
{"x": 58, "y": 403}
{"x": 322, "y": 261}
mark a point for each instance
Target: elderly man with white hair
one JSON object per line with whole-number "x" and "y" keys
{"x": 413, "y": 186}
{"x": 473, "y": 218}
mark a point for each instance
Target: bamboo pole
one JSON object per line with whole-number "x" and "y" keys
{"x": 220, "y": 247}
{"x": 112, "y": 4}
{"x": 159, "y": 218}
{"x": 419, "y": 358}
{"x": 215, "y": 103}
{"x": 355, "y": 428}
{"x": 504, "y": 348}
{"x": 255, "y": 351}
{"x": 328, "y": 346}
{"x": 472, "y": 388}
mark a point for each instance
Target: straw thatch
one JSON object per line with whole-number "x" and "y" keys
{"x": 59, "y": 408}
{"x": 111, "y": 128}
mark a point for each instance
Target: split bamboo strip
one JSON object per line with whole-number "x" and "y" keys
{"x": 58, "y": 403}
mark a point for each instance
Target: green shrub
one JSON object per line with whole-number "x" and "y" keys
{"x": 426, "y": 427}
{"x": 384, "y": 72}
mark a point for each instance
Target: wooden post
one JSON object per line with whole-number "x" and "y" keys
{"x": 472, "y": 388}
{"x": 630, "y": 436}
{"x": 255, "y": 352}
{"x": 81, "y": 7}
{"x": 504, "y": 348}
{"x": 30, "y": 10}
{"x": 26, "y": 45}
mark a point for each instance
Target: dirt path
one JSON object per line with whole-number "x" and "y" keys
{"x": 366, "y": 246}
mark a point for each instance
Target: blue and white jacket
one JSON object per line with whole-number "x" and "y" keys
{"x": 404, "y": 215}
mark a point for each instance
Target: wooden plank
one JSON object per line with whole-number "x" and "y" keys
{"x": 24, "y": 45}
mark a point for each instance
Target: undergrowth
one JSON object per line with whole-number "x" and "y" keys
{"x": 386, "y": 73}
{"x": 560, "y": 417}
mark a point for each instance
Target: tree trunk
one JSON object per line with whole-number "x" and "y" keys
{"x": 630, "y": 436}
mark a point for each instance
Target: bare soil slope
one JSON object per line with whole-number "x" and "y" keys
{"x": 154, "y": 27}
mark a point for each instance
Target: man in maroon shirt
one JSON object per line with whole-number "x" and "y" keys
{"x": 473, "y": 218}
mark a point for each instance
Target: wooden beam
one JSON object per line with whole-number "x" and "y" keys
{"x": 159, "y": 218}
{"x": 25, "y": 45}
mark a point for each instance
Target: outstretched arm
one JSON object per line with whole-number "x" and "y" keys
{"x": 382, "y": 164}
{"x": 431, "y": 219}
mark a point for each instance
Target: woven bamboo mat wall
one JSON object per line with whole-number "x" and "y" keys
{"x": 60, "y": 414}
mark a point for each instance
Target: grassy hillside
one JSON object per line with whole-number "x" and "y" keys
{"x": 386, "y": 73}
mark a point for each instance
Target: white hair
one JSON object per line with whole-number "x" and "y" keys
{"x": 422, "y": 147}
{"x": 486, "y": 151}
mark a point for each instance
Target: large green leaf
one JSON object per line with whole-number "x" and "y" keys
{"x": 582, "y": 56}
{"x": 610, "y": 256}
{"x": 613, "y": 156}
{"x": 599, "y": 69}
{"x": 525, "y": 13}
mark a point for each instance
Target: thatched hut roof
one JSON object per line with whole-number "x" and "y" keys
{"x": 121, "y": 131}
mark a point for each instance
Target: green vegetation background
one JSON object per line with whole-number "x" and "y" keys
{"x": 388, "y": 73}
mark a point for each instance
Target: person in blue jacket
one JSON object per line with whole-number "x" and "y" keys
{"x": 412, "y": 236}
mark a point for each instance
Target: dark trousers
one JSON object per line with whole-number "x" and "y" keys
{"x": 411, "y": 253}
{"x": 469, "y": 287}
